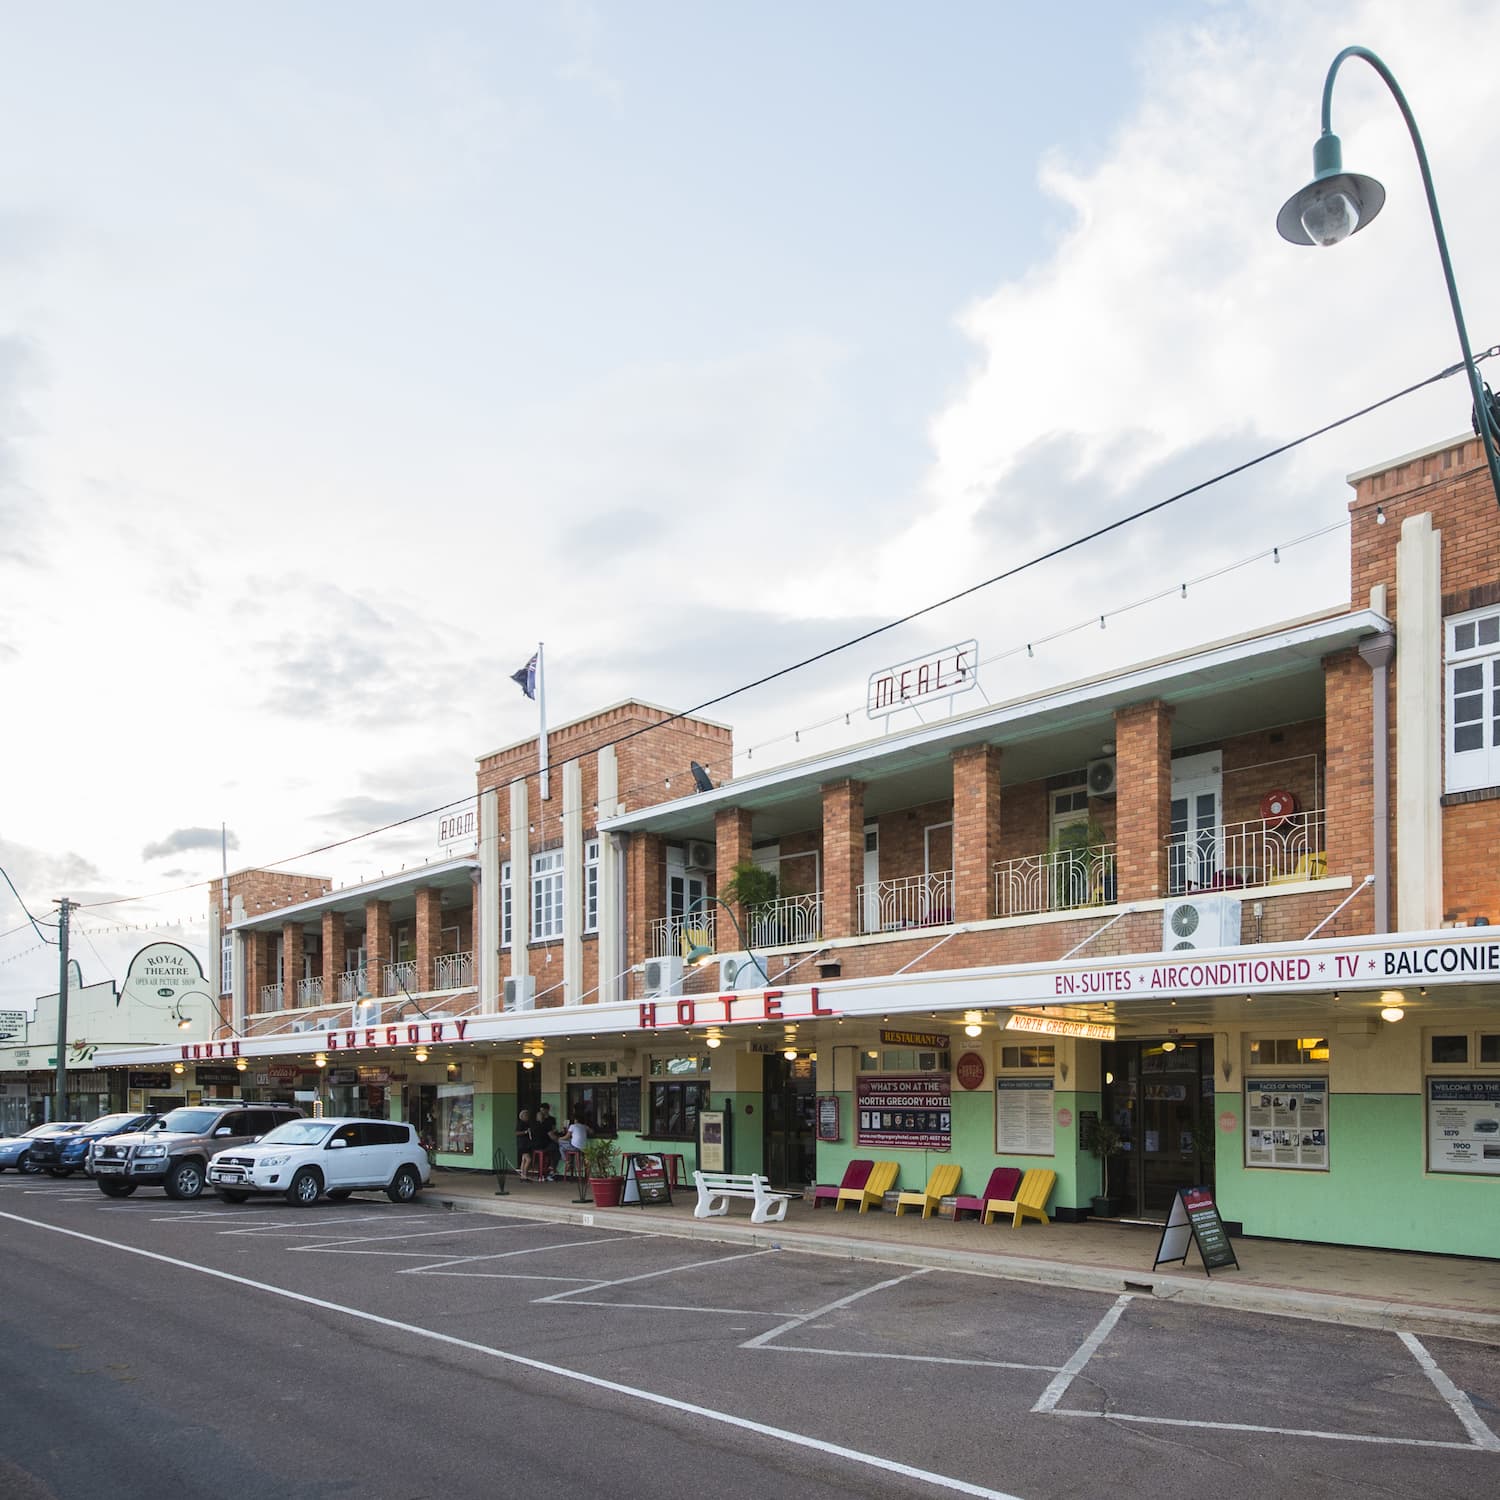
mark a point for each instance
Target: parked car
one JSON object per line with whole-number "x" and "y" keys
{"x": 16, "y": 1150}
{"x": 62, "y": 1155}
{"x": 173, "y": 1153}
{"x": 307, "y": 1158}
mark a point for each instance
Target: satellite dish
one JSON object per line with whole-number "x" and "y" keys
{"x": 701, "y": 778}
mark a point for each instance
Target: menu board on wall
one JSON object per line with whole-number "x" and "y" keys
{"x": 1463, "y": 1125}
{"x": 628, "y": 1104}
{"x": 910, "y": 1111}
{"x": 1286, "y": 1123}
{"x": 1023, "y": 1116}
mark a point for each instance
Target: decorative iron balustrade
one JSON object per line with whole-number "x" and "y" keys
{"x": 1265, "y": 851}
{"x": 1059, "y": 880}
{"x": 351, "y": 985}
{"x": 452, "y": 971}
{"x": 310, "y": 991}
{"x": 786, "y": 920}
{"x": 270, "y": 996}
{"x": 400, "y": 977}
{"x": 915, "y": 901}
{"x": 666, "y": 933}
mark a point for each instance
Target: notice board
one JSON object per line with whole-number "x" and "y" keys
{"x": 1195, "y": 1218}
{"x": 628, "y": 1104}
{"x": 646, "y": 1179}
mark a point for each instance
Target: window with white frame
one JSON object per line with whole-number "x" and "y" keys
{"x": 226, "y": 965}
{"x": 591, "y": 885}
{"x": 505, "y": 898}
{"x": 1472, "y": 676}
{"x": 546, "y": 895}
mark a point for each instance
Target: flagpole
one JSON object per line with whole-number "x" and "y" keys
{"x": 541, "y": 708}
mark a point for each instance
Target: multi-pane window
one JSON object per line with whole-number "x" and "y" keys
{"x": 1473, "y": 685}
{"x": 1288, "y": 1051}
{"x": 546, "y": 896}
{"x": 505, "y": 900}
{"x": 226, "y": 965}
{"x": 591, "y": 886}
{"x": 1029, "y": 1055}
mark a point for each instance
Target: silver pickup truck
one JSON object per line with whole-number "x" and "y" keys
{"x": 173, "y": 1153}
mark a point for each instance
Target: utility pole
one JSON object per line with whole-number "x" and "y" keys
{"x": 60, "y": 1105}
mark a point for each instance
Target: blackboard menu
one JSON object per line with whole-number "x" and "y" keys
{"x": 628, "y": 1104}
{"x": 1195, "y": 1218}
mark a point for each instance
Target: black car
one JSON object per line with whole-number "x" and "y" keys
{"x": 62, "y": 1155}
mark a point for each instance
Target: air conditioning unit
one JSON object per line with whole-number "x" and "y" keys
{"x": 1201, "y": 922}
{"x": 1101, "y": 777}
{"x": 309, "y": 1024}
{"x": 663, "y": 976}
{"x": 742, "y": 971}
{"x": 520, "y": 992}
{"x": 367, "y": 1013}
{"x": 699, "y": 856}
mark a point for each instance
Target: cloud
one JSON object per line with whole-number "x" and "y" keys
{"x": 180, "y": 840}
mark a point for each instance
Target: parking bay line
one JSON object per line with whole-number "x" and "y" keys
{"x": 798, "y": 1319}
{"x": 1305, "y": 1432}
{"x": 599, "y": 1286}
{"x": 921, "y": 1359}
{"x": 1058, "y": 1386}
{"x": 569, "y": 1376}
{"x": 1458, "y": 1403}
{"x": 448, "y": 1265}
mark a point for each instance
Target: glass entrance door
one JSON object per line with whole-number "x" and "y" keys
{"x": 790, "y": 1142}
{"x": 1160, "y": 1094}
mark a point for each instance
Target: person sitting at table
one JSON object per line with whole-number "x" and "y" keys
{"x": 571, "y": 1140}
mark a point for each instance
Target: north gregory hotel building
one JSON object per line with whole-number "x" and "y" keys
{"x": 1235, "y": 904}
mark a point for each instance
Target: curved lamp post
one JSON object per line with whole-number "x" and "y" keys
{"x": 695, "y": 954}
{"x": 1336, "y": 204}
{"x": 184, "y": 1024}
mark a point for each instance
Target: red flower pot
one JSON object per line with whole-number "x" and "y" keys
{"x": 606, "y": 1191}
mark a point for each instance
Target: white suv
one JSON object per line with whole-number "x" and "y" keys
{"x": 304, "y": 1159}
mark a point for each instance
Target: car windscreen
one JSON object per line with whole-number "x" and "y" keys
{"x": 187, "y": 1121}
{"x": 106, "y": 1124}
{"x": 297, "y": 1133}
{"x": 56, "y": 1127}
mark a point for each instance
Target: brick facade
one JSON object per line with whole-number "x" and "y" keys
{"x": 1143, "y": 817}
{"x": 976, "y": 829}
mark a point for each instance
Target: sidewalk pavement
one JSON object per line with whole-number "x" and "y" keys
{"x": 1440, "y": 1295}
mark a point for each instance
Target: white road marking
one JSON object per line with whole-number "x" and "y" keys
{"x": 798, "y": 1319}
{"x": 1458, "y": 1403}
{"x": 570, "y": 1377}
{"x": 464, "y": 1260}
{"x": 1306, "y": 1432}
{"x": 420, "y": 1234}
{"x": 921, "y": 1359}
{"x": 1055, "y": 1391}
{"x": 693, "y": 1265}
{"x": 682, "y": 1307}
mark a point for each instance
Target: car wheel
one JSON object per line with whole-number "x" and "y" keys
{"x": 184, "y": 1179}
{"x": 112, "y": 1189}
{"x": 339, "y": 1194}
{"x": 231, "y": 1195}
{"x": 26, "y": 1165}
{"x": 306, "y": 1188}
{"x": 405, "y": 1186}
{"x": 59, "y": 1171}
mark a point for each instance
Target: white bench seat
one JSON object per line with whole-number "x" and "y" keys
{"x": 715, "y": 1189}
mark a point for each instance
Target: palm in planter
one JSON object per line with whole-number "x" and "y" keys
{"x": 1103, "y": 1140}
{"x": 751, "y": 888}
{"x": 601, "y": 1163}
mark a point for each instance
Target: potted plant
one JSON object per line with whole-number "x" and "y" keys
{"x": 1072, "y": 862}
{"x": 601, "y": 1163}
{"x": 1102, "y": 1139}
{"x": 749, "y": 885}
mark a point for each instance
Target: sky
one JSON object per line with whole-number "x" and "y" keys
{"x": 347, "y": 351}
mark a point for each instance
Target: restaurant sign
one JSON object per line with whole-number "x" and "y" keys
{"x": 940, "y": 674}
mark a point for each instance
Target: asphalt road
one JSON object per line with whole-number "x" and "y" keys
{"x": 157, "y": 1349}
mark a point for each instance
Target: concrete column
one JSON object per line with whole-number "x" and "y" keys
{"x": 976, "y": 831}
{"x": 843, "y": 856}
{"x": 377, "y": 945}
{"x": 572, "y": 831}
{"x": 487, "y": 927}
{"x": 611, "y": 945}
{"x": 520, "y": 879}
{"x": 1143, "y": 816}
{"x": 1419, "y": 727}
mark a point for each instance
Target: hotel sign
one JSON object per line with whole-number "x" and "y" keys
{"x": 923, "y": 679}
{"x": 1095, "y": 1031}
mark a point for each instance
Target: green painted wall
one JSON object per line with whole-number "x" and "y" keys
{"x": 1375, "y": 1193}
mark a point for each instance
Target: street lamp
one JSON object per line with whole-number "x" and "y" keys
{"x": 1336, "y": 204}
{"x": 184, "y": 1023}
{"x": 695, "y": 954}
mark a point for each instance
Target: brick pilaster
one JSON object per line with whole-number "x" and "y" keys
{"x": 429, "y": 934}
{"x": 377, "y": 945}
{"x": 645, "y": 893}
{"x": 976, "y": 830}
{"x": 1143, "y": 811}
{"x": 843, "y": 856}
{"x": 733, "y": 845}
{"x": 293, "y": 953}
{"x": 257, "y": 968}
{"x": 333, "y": 954}
{"x": 1348, "y": 785}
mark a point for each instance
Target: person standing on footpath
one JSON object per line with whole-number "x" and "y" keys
{"x": 543, "y": 1146}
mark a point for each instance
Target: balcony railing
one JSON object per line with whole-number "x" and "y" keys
{"x": 788, "y": 919}
{"x": 916, "y": 901}
{"x": 351, "y": 985}
{"x": 452, "y": 971}
{"x": 666, "y": 932}
{"x": 310, "y": 991}
{"x": 400, "y": 977}
{"x": 270, "y": 996}
{"x": 1059, "y": 880}
{"x": 1230, "y": 856}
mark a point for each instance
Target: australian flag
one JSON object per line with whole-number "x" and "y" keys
{"x": 525, "y": 679}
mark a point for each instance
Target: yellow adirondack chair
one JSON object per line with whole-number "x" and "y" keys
{"x": 881, "y": 1180}
{"x": 1030, "y": 1201}
{"x": 942, "y": 1182}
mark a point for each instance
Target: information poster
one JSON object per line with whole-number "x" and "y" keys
{"x": 906, "y": 1111}
{"x": 1286, "y": 1123}
{"x": 828, "y": 1118}
{"x": 1463, "y": 1125}
{"x": 1195, "y": 1219}
{"x": 1024, "y": 1117}
{"x": 646, "y": 1179}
